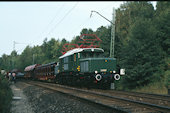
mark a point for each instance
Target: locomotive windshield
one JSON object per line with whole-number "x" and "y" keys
{"x": 92, "y": 55}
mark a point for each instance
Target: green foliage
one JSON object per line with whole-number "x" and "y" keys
{"x": 142, "y": 56}
{"x": 5, "y": 95}
{"x": 104, "y": 34}
{"x": 162, "y": 17}
{"x": 140, "y": 49}
{"x": 163, "y": 27}
{"x": 25, "y": 58}
{"x": 167, "y": 79}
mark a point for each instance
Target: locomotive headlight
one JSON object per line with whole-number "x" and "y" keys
{"x": 114, "y": 71}
{"x": 96, "y": 72}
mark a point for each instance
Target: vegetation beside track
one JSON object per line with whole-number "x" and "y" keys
{"x": 155, "y": 88}
{"x": 5, "y": 95}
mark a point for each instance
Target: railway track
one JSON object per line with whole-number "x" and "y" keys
{"x": 110, "y": 99}
{"x": 162, "y": 100}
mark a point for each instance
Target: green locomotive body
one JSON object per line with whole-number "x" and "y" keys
{"x": 86, "y": 66}
{"x": 98, "y": 64}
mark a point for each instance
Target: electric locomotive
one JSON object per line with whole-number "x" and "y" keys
{"x": 88, "y": 67}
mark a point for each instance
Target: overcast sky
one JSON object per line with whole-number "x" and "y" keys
{"x": 29, "y": 23}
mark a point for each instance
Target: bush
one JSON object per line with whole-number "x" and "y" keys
{"x": 5, "y": 95}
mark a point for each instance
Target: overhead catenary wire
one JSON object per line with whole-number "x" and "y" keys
{"x": 87, "y": 20}
{"x": 63, "y": 18}
{"x": 78, "y": 27}
{"x": 57, "y": 13}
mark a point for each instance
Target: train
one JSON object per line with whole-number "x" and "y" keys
{"x": 80, "y": 66}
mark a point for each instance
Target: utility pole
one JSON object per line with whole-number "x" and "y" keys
{"x": 33, "y": 58}
{"x": 112, "y": 30}
{"x": 13, "y": 51}
{"x": 13, "y": 55}
{"x": 112, "y": 35}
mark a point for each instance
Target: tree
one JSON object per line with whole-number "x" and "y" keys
{"x": 161, "y": 20}
{"x": 126, "y": 16}
{"x": 25, "y": 58}
{"x": 142, "y": 56}
{"x": 104, "y": 33}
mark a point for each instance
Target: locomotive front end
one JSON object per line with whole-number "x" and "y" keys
{"x": 98, "y": 69}
{"x": 102, "y": 70}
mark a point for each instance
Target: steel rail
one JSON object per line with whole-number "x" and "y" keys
{"x": 147, "y": 94}
{"x": 148, "y": 105}
{"x": 138, "y": 96}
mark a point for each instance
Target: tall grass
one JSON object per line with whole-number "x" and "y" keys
{"x": 156, "y": 88}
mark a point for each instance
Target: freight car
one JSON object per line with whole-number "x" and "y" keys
{"x": 29, "y": 71}
{"x": 79, "y": 66}
{"x": 45, "y": 72}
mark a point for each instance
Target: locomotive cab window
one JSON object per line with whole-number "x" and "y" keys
{"x": 92, "y": 55}
{"x": 98, "y": 55}
{"x": 66, "y": 60}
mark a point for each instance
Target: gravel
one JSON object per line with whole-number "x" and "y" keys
{"x": 43, "y": 100}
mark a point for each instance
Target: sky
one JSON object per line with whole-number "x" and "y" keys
{"x": 29, "y": 23}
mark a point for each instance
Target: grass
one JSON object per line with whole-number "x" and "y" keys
{"x": 156, "y": 88}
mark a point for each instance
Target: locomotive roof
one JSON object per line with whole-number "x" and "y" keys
{"x": 43, "y": 65}
{"x": 31, "y": 67}
{"x": 77, "y": 50}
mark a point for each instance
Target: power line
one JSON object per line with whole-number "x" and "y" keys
{"x": 58, "y": 11}
{"x": 84, "y": 22}
{"x": 78, "y": 27}
{"x": 63, "y": 18}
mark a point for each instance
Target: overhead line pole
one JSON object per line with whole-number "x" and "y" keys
{"x": 101, "y": 16}
{"x": 112, "y": 30}
{"x": 113, "y": 35}
{"x": 13, "y": 55}
{"x": 13, "y": 51}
